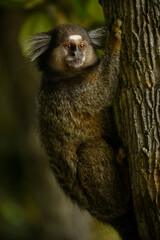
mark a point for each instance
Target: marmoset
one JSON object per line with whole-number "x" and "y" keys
{"x": 76, "y": 119}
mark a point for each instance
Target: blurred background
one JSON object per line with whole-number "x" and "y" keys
{"x": 32, "y": 206}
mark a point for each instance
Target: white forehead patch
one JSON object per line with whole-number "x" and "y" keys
{"x": 75, "y": 37}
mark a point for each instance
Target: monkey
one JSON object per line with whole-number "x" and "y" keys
{"x": 75, "y": 113}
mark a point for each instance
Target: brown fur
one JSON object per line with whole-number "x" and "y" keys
{"x": 77, "y": 126}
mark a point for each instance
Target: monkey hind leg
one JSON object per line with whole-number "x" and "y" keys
{"x": 99, "y": 177}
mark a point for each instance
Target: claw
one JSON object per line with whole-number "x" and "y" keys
{"x": 119, "y": 23}
{"x": 118, "y": 34}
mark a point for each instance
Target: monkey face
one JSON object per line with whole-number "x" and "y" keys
{"x": 75, "y": 51}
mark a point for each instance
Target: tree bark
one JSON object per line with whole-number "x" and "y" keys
{"x": 137, "y": 106}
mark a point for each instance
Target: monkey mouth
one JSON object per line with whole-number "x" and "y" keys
{"x": 76, "y": 62}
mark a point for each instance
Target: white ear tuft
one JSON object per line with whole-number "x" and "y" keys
{"x": 98, "y": 36}
{"x": 37, "y": 45}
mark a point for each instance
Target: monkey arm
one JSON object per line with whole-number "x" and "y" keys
{"x": 108, "y": 67}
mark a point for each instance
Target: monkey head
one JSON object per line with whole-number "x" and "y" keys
{"x": 76, "y": 53}
{"x": 66, "y": 47}
{"x": 71, "y": 48}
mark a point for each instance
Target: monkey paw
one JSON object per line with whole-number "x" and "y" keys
{"x": 117, "y": 29}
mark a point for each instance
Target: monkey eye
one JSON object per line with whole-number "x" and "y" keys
{"x": 82, "y": 46}
{"x": 68, "y": 46}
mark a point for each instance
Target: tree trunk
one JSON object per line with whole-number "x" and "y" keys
{"x": 138, "y": 105}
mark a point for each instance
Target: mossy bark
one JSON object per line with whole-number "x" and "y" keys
{"x": 138, "y": 105}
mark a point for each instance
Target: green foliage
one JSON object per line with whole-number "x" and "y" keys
{"x": 79, "y": 8}
{"x": 14, "y": 222}
{"x": 94, "y": 11}
{"x": 20, "y": 3}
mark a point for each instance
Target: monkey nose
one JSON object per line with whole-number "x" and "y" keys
{"x": 73, "y": 54}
